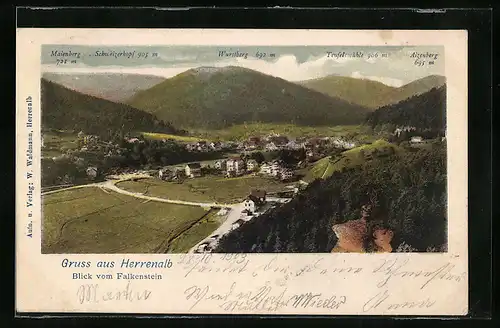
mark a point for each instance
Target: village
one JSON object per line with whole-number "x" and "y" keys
{"x": 256, "y": 155}
{"x": 240, "y": 180}
{"x": 244, "y": 161}
{"x": 255, "y": 167}
{"x": 247, "y": 158}
{"x": 244, "y": 157}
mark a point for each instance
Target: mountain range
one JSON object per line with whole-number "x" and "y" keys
{"x": 214, "y": 98}
{"x": 116, "y": 87}
{"x": 371, "y": 94}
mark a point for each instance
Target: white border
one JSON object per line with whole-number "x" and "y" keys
{"x": 42, "y": 285}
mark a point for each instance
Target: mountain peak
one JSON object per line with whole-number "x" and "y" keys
{"x": 217, "y": 97}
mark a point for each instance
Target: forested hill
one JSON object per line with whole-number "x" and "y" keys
{"x": 411, "y": 191}
{"x": 65, "y": 109}
{"x": 425, "y": 111}
{"x": 364, "y": 92}
{"x": 371, "y": 94}
{"x": 218, "y": 97}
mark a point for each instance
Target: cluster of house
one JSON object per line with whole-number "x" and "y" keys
{"x": 89, "y": 142}
{"x": 191, "y": 170}
{"x": 236, "y": 166}
{"x": 271, "y": 142}
{"x": 342, "y": 143}
{"x": 208, "y": 245}
{"x": 206, "y": 146}
{"x": 92, "y": 172}
{"x": 416, "y": 139}
{"x": 254, "y": 201}
{"x": 397, "y": 132}
{"x": 275, "y": 169}
{"x": 232, "y": 167}
{"x": 276, "y": 142}
{"x": 133, "y": 140}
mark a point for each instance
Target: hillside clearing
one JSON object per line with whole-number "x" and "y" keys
{"x": 326, "y": 166}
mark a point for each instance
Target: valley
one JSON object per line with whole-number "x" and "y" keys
{"x": 233, "y": 160}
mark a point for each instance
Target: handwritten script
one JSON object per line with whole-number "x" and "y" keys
{"x": 239, "y": 265}
{"x": 92, "y": 293}
{"x": 393, "y": 283}
{"x": 390, "y": 269}
{"x": 382, "y": 273}
{"x": 261, "y": 298}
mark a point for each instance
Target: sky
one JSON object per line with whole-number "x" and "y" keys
{"x": 394, "y": 66}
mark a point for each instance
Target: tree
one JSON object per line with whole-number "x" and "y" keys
{"x": 277, "y": 245}
{"x": 257, "y": 156}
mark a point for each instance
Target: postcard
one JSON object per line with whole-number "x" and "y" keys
{"x": 268, "y": 172}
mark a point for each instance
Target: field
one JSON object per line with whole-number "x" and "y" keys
{"x": 243, "y": 131}
{"x": 325, "y": 167}
{"x": 195, "y": 234}
{"x": 56, "y": 142}
{"x": 204, "y": 189}
{"x": 89, "y": 220}
{"x": 161, "y": 136}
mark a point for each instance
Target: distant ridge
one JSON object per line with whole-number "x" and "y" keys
{"x": 368, "y": 93}
{"x": 116, "y": 87}
{"x": 65, "y": 109}
{"x": 210, "y": 97}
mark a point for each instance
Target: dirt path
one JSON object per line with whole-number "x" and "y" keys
{"x": 326, "y": 169}
{"x": 111, "y": 185}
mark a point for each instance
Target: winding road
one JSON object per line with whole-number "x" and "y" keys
{"x": 111, "y": 185}
{"x": 234, "y": 214}
{"x": 231, "y": 217}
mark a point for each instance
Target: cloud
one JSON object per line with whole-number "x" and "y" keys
{"x": 177, "y": 58}
{"x": 158, "y": 71}
{"x": 396, "y": 70}
{"x": 385, "y": 80}
{"x": 286, "y": 67}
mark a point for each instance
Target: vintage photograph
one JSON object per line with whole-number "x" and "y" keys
{"x": 243, "y": 149}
